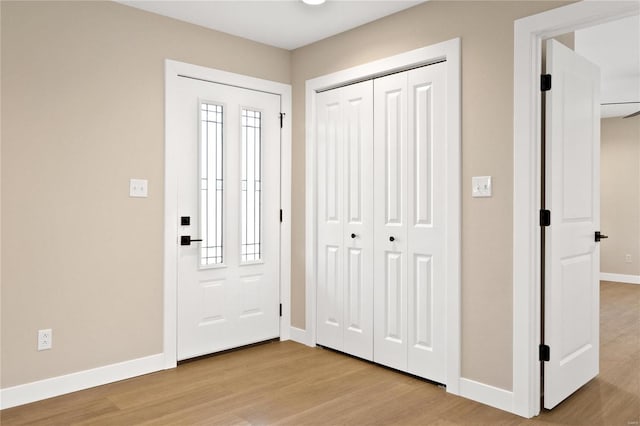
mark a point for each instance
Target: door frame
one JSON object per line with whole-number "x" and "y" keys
{"x": 172, "y": 145}
{"x": 449, "y": 51}
{"x": 529, "y": 33}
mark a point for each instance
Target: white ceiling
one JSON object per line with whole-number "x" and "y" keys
{"x": 615, "y": 48}
{"x": 288, "y": 24}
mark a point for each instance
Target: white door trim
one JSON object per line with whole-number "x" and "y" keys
{"x": 449, "y": 51}
{"x": 172, "y": 70}
{"x": 528, "y": 35}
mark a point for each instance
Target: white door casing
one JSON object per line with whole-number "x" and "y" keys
{"x": 529, "y": 34}
{"x": 572, "y": 265}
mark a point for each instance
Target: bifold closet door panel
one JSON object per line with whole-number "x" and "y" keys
{"x": 345, "y": 219}
{"x": 357, "y": 101}
{"x": 330, "y": 217}
{"x": 426, "y": 286}
{"x": 390, "y": 221}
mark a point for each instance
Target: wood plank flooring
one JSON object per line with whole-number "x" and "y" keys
{"x": 288, "y": 383}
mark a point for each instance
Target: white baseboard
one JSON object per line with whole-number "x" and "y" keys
{"x": 486, "y": 394}
{"x": 620, "y": 278}
{"x": 299, "y": 335}
{"x": 55, "y": 386}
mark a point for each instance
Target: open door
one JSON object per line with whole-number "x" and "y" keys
{"x": 572, "y": 254}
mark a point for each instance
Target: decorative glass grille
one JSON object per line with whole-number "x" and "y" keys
{"x": 211, "y": 184}
{"x": 251, "y": 185}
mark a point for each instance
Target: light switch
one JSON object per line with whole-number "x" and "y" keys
{"x": 138, "y": 187}
{"x": 481, "y": 186}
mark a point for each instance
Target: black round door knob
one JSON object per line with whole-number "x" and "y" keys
{"x": 392, "y": 239}
{"x": 353, "y": 235}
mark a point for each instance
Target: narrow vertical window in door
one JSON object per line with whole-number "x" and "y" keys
{"x": 211, "y": 183}
{"x": 251, "y": 185}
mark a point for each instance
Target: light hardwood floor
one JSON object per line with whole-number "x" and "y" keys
{"x": 288, "y": 383}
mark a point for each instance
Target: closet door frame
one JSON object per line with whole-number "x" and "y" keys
{"x": 450, "y": 52}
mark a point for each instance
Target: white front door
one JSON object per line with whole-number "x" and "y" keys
{"x": 229, "y": 198}
{"x": 572, "y": 256}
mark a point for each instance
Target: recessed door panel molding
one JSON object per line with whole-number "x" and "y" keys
{"x": 354, "y": 294}
{"x": 421, "y": 140}
{"x": 577, "y": 162}
{"x": 394, "y": 141}
{"x": 572, "y": 256}
{"x": 229, "y": 162}
{"x": 354, "y": 143}
{"x": 422, "y": 301}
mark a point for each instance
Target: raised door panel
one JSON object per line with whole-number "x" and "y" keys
{"x": 390, "y": 221}
{"x": 426, "y": 290}
{"x": 330, "y": 291}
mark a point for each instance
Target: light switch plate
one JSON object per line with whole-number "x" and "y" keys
{"x": 138, "y": 188}
{"x": 481, "y": 186}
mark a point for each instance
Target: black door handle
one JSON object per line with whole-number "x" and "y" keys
{"x": 392, "y": 239}
{"x": 600, "y": 236}
{"x": 185, "y": 240}
{"x": 353, "y": 235}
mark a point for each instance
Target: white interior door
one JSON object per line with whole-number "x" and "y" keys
{"x": 345, "y": 218}
{"x": 572, "y": 257}
{"x": 229, "y": 188}
{"x": 426, "y": 220}
{"x": 390, "y": 220}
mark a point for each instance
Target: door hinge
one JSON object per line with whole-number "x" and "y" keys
{"x": 280, "y": 215}
{"x": 282, "y": 114}
{"x": 545, "y": 218}
{"x": 544, "y": 353}
{"x": 281, "y": 309}
{"x": 545, "y": 82}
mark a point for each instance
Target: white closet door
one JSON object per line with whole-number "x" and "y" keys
{"x": 330, "y": 291}
{"x": 390, "y": 221}
{"x": 345, "y": 217}
{"x": 357, "y": 102}
{"x": 426, "y": 288}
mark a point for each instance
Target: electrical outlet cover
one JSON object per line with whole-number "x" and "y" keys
{"x": 45, "y": 339}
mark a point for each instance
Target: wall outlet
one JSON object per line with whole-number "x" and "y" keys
{"x": 138, "y": 188}
{"x": 627, "y": 258}
{"x": 45, "y": 339}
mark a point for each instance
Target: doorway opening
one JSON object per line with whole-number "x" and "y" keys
{"x": 528, "y": 36}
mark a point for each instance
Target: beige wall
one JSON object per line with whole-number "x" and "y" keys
{"x": 83, "y": 111}
{"x": 620, "y": 195}
{"x": 82, "y": 90}
{"x": 486, "y": 29}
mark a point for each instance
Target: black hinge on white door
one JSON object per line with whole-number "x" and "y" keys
{"x": 281, "y": 309}
{"x": 280, "y": 215}
{"x": 545, "y": 82}
{"x": 544, "y": 353}
{"x": 545, "y": 218}
{"x": 282, "y": 114}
